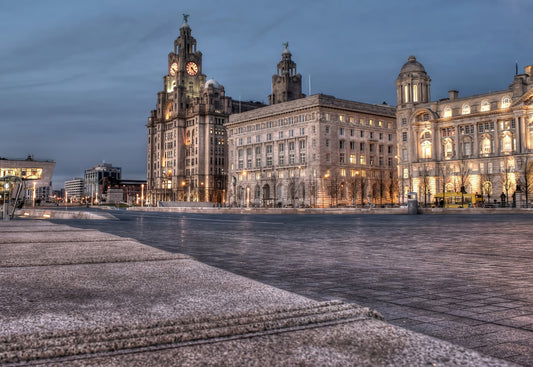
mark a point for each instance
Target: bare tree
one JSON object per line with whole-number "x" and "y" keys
{"x": 445, "y": 172}
{"x": 487, "y": 182}
{"x": 424, "y": 175}
{"x": 464, "y": 179}
{"x": 525, "y": 179}
{"x": 506, "y": 175}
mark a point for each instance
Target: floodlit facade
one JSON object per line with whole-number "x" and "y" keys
{"x": 480, "y": 145}
{"x": 187, "y": 143}
{"x": 35, "y": 175}
{"x": 318, "y": 151}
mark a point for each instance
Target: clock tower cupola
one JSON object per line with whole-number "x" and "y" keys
{"x": 286, "y": 83}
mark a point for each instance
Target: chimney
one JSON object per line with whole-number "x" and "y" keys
{"x": 453, "y": 94}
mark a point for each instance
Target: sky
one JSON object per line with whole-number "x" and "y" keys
{"x": 78, "y": 78}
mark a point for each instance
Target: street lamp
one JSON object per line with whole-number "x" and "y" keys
{"x": 142, "y": 195}
{"x": 34, "y": 193}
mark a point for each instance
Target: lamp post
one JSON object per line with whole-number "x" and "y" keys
{"x": 6, "y": 198}
{"x": 142, "y": 195}
{"x": 34, "y": 193}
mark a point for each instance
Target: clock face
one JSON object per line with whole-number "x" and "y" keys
{"x": 173, "y": 68}
{"x": 191, "y": 68}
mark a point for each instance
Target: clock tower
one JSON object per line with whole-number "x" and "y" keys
{"x": 286, "y": 83}
{"x": 186, "y": 152}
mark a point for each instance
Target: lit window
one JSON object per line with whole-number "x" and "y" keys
{"x": 466, "y": 109}
{"x": 485, "y": 106}
{"x": 486, "y": 146}
{"x": 507, "y": 145}
{"x": 426, "y": 149}
{"x": 506, "y": 102}
{"x": 448, "y": 112}
{"x": 415, "y": 93}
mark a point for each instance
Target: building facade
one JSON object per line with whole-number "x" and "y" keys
{"x": 186, "y": 154}
{"x": 318, "y": 151}
{"x": 34, "y": 177}
{"x": 75, "y": 189}
{"x": 480, "y": 144}
{"x": 99, "y": 179}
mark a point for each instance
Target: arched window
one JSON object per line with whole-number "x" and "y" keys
{"x": 485, "y": 106}
{"x": 405, "y": 93}
{"x": 447, "y": 111}
{"x": 506, "y": 102}
{"x": 507, "y": 143}
{"x": 415, "y": 93}
{"x": 466, "y": 109}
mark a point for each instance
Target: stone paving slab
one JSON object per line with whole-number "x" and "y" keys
{"x": 177, "y": 311}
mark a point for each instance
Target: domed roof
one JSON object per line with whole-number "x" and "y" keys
{"x": 212, "y": 82}
{"x": 286, "y": 51}
{"x": 412, "y": 65}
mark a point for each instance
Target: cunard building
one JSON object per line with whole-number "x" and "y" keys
{"x": 317, "y": 151}
{"x": 186, "y": 153}
{"x": 480, "y": 146}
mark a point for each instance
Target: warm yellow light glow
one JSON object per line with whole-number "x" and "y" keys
{"x": 182, "y": 183}
{"x": 46, "y": 215}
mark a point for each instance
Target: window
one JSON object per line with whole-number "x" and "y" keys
{"x": 302, "y": 158}
{"x": 447, "y": 111}
{"x": 352, "y": 145}
{"x": 362, "y": 134}
{"x": 327, "y": 142}
{"x": 327, "y": 129}
{"x": 341, "y": 158}
{"x": 302, "y": 131}
{"x": 269, "y": 161}
{"x": 486, "y": 146}
{"x": 506, "y": 102}
{"x": 281, "y": 160}
{"x": 353, "y": 160}
{"x": 448, "y": 149}
{"x": 404, "y": 121}
{"x": 291, "y": 146}
{"x": 415, "y": 93}
{"x": 466, "y": 109}
{"x": 258, "y": 138}
{"x": 361, "y": 146}
{"x": 404, "y": 136}
{"x": 426, "y": 149}
{"x": 269, "y": 136}
{"x": 291, "y": 133}
{"x": 371, "y": 147}
{"x": 257, "y": 150}
{"x": 485, "y": 106}
{"x": 341, "y": 144}
{"x": 269, "y": 148}
{"x": 371, "y": 135}
{"x": 362, "y": 159}
{"x": 281, "y": 134}
{"x": 341, "y": 131}
{"x": 302, "y": 144}
{"x": 507, "y": 144}
{"x": 281, "y": 147}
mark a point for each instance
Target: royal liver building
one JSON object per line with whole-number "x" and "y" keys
{"x": 186, "y": 152}
{"x": 481, "y": 145}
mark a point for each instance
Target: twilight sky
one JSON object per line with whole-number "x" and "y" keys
{"x": 78, "y": 78}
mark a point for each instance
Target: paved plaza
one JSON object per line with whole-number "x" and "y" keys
{"x": 80, "y": 297}
{"x": 464, "y": 279}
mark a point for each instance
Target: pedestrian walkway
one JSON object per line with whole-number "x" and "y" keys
{"x": 82, "y": 297}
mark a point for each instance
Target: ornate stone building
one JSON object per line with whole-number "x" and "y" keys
{"x": 480, "y": 144}
{"x": 186, "y": 153}
{"x": 317, "y": 151}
